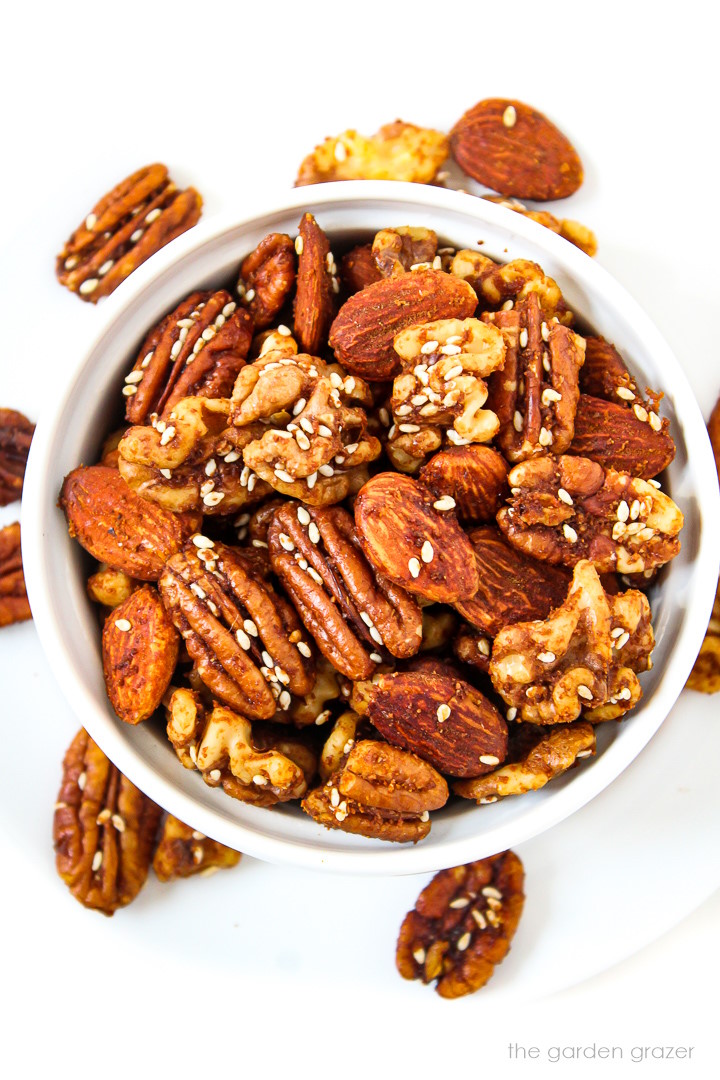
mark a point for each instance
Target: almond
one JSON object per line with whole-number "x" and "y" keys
{"x": 117, "y": 526}
{"x": 410, "y": 541}
{"x": 362, "y": 334}
{"x": 140, "y": 650}
{"x": 513, "y": 587}
{"x": 619, "y": 438}
{"x": 441, "y": 718}
{"x": 515, "y": 150}
{"x": 314, "y": 298}
{"x": 475, "y": 477}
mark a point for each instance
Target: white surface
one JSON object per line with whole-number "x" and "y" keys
{"x": 81, "y": 414}
{"x": 90, "y": 92}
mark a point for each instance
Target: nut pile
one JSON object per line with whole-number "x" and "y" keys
{"x": 377, "y": 540}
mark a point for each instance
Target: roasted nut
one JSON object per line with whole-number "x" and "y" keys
{"x": 315, "y": 443}
{"x": 355, "y": 615}
{"x": 605, "y": 375}
{"x": 536, "y": 393}
{"x": 584, "y": 656}
{"x": 535, "y": 757}
{"x": 379, "y": 792}
{"x": 195, "y": 351}
{"x": 634, "y": 441}
{"x": 513, "y": 588}
{"x": 110, "y": 587}
{"x": 236, "y": 628}
{"x": 119, "y": 528}
{"x": 503, "y": 285}
{"x": 267, "y": 277}
{"x": 363, "y": 332}
{"x": 714, "y": 433}
{"x": 398, "y": 151}
{"x": 404, "y": 248}
{"x": 185, "y": 723}
{"x": 569, "y": 508}
{"x": 339, "y": 743}
{"x": 412, "y": 541}
{"x": 14, "y": 606}
{"x": 183, "y": 852}
{"x": 439, "y": 717}
{"x": 313, "y": 707}
{"x": 104, "y": 829}
{"x": 474, "y": 477}
{"x": 317, "y": 285}
{"x": 513, "y": 149}
{"x": 441, "y": 389}
{"x": 359, "y": 269}
{"x": 462, "y": 925}
{"x": 577, "y": 234}
{"x": 473, "y": 647}
{"x": 193, "y": 460}
{"x": 140, "y": 650}
{"x": 438, "y": 627}
{"x": 705, "y": 675}
{"x": 16, "y": 434}
{"x": 128, "y": 225}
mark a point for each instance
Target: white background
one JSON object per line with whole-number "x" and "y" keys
{"x": 232, "y": 97}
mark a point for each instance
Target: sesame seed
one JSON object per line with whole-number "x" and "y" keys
{"x": 489, "y": 759}
{"x": 231, "y": 457}
{"x": 304, "y": 649}
{"x": 97, "y": 861}
{"x": 153, "y": 215}
{"x": 461, "y": 902}
{"x": 563, "y": 496}
{"x": 623, "y": 511}
{"x": 71, "y": 263}
{"x": 622, "y": 640}
{"x": 284, "y": 476}
{"x": 82, "y": 780}
{"x": 450, "y": 349}
{"x": 376, "y": 658}
{"x": 646, "y": 534}
{"x": 402, "y": 410}
{"x": 88, "y": 286}
{"x": 106, "y": 266}
{"x": 545, "y": 437}
{"x": 349, "y": 385}
{"x": 509, "y": 117}
{"x": 214, "y": 775}
{"x": 443, "y": 712}
{"x": 483, "y": 647}
{"x": 103, "y": 816}
{"x": 91, "y": 221}
{"x": 425, "y": 816}
{"x": 313, "y": 533}
{"x": 123, "y": 624}
{"x": 569, "y": 533}
{"x": 545, "y": 331}
{"x": 229, "y": 309}
{"x": 167, "y": 435}
{"x": 376, "y": 636}
{"x": 325, "y": 431}
{"x": 136, "y": 236}
{"x": 284, "y": 331}
{"x": 177, "y": 346}
{"x": 299, "y": 244}
{"x": 242, "y": 639}
{"x": 134, "y": 377}
{"x": 619, "y": 530}
{"x": 409, "y": 429}
{"x": 583, "y": 753}
{"x": 427, "y": 552}
{"x": 453, "y": 372}
{"x": 655, "y": 421}
{"x": 518, "y": 421}
{"x": 306, "y": 425}
{"x": 314, "y": 575}
{"x": 250, "y": 295}
{"x": 199, "y": 344}
{"x": 489, "y": 799}
{"x": 640, "y": 412}
{"x": 585, "y": 692}
{"x": 546, "y": 657}
{"x": 211, "y": 467}
{"x": 351, "y": 448}
{"x": 129, "y": 390}
{"x": 523, "y": 338}
{"x": 419, "y": 956}
{"x": 198, "y": 590}
{"x": 445, "y": 502}
{"x": 118, "y": 822}
{"x": 207, "y": 486}
{"x": 635, "y": 510}
{"x": 414, "y": 567}
{"x": 508, "y": 305}
{"x": 546, "y": 362}
{"x": 625, "y": 394}
{"x": 479, "y": 918}
{"x": 617, "y": 632}
{"x": 326, "y": 470}
{"x": 511, "y": 713}
{"x": 464, "y": 941}
{"x": 311, "y": 480}
{"x": 549, "y": 395}
{"x": 215, "y": 497}
{"x": 491, "y": 891}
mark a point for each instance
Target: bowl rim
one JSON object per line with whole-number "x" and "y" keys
{"x": 38, "y": 504}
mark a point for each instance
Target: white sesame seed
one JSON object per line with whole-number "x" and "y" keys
{"x": 326, "y": 470}
{"x": 376, "y": 636}
{"x": 624, "y": 393}
{"x": 313, "y": 533}
{"x": 491, "y": 891}
{"x": 167, "y": 435}
{"x": 229, "y": 309}
{"x": 518, "y": 421}
{"x": 585, "y": 692}
{"x": 306, "y": 425}
{"x": 583, "y": 753}
{"x": 376, "y": 658}
{"x": 508, "y": 305}
{"x": 511, "y": 713}
{"x": 427, "y": 552}
{"x": 129, "y": 390}
{"x": 489, "y": 759}
{"x": 409, "y": 429}
{"x": 136, "y": 236}
{"x": 655, "y": 421}
{"x": 569, "y": 533}
{"x": 445, "y": 502}
{"x": 635, "y": 510}
{"x": 153, "y": 215}
{"x": 464, "y": 941}
{"x": 563, "y": 496}
{"x": 286, "y": 542}
{"x": 106, "y": 267}
{"x": 545, "y": 331}
{"x": 414, "y": 567}
{"x": 461, "y": 902}
{"x": 88, "y": 286}
{"x": 284, "y": 476}
{"x": 231, "y": 457}
{"x": 549, "y": 395}
{"x": 349, "y": 385}
{"x": 622, "y": 641}
{"x": 284, "y": 331}
{"x": 314, "y": 575}
{"x": 623, "y": 511}
{"x": 545, "y": 437}
{"x": 123, "y": 624}
{"x": 215, "y": 497}
{"x": 97, "y": 861}
{"x": 640, "y": 412}
{"x": 134, "y": 376}
{"x": 489, "y": 799}
{"x": 483, "y": 646}
{"x": 199, "y": 344}
{"x": 523, "y": 338}
{"x": 509, "y": 117}
{"x": 546, "y": 657}
{"x": 619, "y": 530}
{"x": 118, "y": 822}
{"x": 351, "y": 448}
{"x": 453, "y": 372}
{"x": 443, "y": 712}
{"x": 299, "y": 244}
{"x": 324, "y": 431}
{"x": 211, "y": 467}
{"x": 250, "y": 295}
{"x": 311, "y": 480}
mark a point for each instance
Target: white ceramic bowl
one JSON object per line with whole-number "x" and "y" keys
{"x": 72, "y": 431}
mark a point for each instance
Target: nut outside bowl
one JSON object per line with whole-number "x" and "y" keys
{"x": 81, "y": 413}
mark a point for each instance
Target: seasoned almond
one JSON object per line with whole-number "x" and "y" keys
{"x": 620, "y": 438}
{"x": 140, "y": 650}
{"x": 474, "y": 477}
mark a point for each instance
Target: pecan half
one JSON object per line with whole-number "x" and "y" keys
{"x": 197, "y": 350}
{"x": 569, "y": 508}
{"x": 503, "y": 285}
{"x": 140, "y": 650}
{"x": 16, "y": 434}
{"x": 442, "y": 388}
{"x": 513, "y": 587}
{"x": 14, "y": 606}
{"x": 404, "y": 248}
{"x": 536, "y": 393}
{"x": 317, "y": 285}
{"x": 355, "y": 615}
{"x": 192, "y": 460}
{"x": 628, "y": 440}
{"x": 439, "y": 717}
{"x": 236, "y": 628}
{"x": 183, "y": 852}
{"x": 379, "y": 792}
{"x": 462, "y": 925}
{"x": 705, "y": 675}
{"x": 398, "y": 151}
{"x": 119, "y": 528}
{"x": 473, "y": 477}
{"x": 714, "y": 433}
{"x": 315, "y": 444}
{"x": 535, "y": 757}
{"x": 411, "y": 538}
{"x": 358, "y": 268}
{"x": 574, "y": 231}
{"x": 363, "y": 332}
{"x": 128, "y": 225}
{"x": 584, "y": 656}
{"x": 104, "y": 829}
{"x": 514, "y": 149}
{"x": 267, "y": 277}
